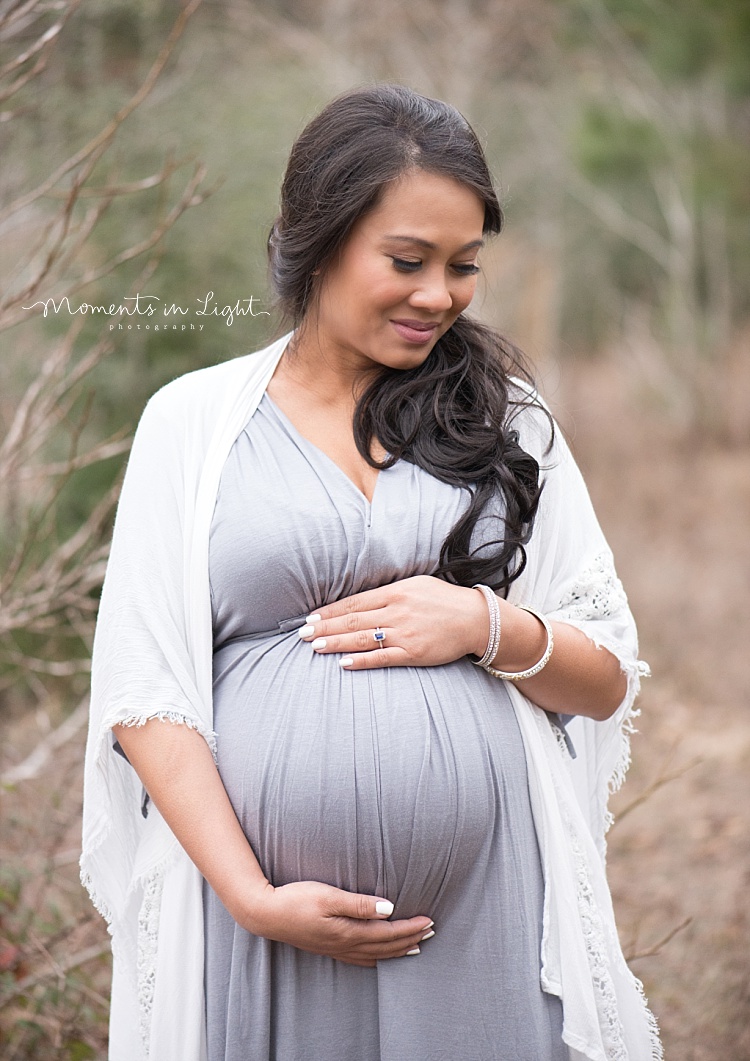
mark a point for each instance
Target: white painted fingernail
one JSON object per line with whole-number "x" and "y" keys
{"x": 414, "y": 950}
{"x": 305, "y": 631}
{"x": 428, "y": 935}
{"x": 384, "y": 906}
{"x": 346, "y": 661}
{"x": 319, "y": 642}
{"x": 314, "y": 618}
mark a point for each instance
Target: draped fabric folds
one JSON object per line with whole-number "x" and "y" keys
{"x": 153, "y": 658}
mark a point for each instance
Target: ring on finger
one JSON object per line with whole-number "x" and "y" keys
{"x": 379, "y": 635}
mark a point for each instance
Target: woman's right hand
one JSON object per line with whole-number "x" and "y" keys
{"x": 177, "y": 768}
{"x": 329, "y": 921}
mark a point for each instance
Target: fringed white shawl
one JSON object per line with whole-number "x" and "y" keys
{"x": 153, "y": 658}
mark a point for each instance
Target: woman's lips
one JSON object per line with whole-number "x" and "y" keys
{"x": 415, "y": 331}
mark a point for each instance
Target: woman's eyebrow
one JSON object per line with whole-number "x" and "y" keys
{"x": 417, "y": 241}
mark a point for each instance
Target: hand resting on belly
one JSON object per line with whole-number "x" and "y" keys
{"x": 428, "y": 622}
{"x": 177, "y": 769}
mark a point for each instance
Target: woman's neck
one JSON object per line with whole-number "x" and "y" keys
{"x": 327, "y": 377}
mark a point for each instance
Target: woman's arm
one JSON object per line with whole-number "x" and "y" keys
{"x": 428, "y": 621}
{"x": 177, "y": 769}
{"x": 579, "y": 679}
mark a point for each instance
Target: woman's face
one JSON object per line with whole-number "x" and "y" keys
{"x": 405, "y": 273}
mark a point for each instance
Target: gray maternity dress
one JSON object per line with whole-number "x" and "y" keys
{"x": 408, "y": 782}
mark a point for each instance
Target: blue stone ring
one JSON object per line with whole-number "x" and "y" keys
{"x": 379, "y": 634}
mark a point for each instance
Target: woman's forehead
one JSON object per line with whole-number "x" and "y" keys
{"x": 420, "y": 202}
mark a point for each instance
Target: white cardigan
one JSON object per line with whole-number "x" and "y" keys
{"x": 153, "y": 658}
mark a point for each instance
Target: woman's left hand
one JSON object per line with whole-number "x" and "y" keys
{"x": 426, "y": 622}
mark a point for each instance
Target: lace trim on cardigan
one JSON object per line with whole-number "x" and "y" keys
{"x": 99, "y": 904}
{"x": 148, "y": 945}
{"x": 597, "y": 952}
{"x": 593, "y": 935}
{"x": 153, "y": 886}
{"x": 597, "y": 593}
{"x": 592, "y": 928}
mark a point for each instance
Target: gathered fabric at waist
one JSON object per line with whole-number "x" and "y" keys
{"x": 284, "y": 626}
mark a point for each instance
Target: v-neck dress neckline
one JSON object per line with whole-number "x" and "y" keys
{"x": 322, "y": 454}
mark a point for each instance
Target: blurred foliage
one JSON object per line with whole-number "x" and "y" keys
{"x": 54, "y": 961}
{"x": 242, "y": 87}
{"x": 616, "y": 128}
{"x": 689, "y": 39}
{"x": 615, "y": 147}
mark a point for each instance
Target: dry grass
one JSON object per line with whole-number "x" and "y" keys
{"x": 54, "y": 950}
{"x": 676, "y": 513}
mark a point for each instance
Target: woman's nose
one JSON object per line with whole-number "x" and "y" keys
{"x": 432, "y": 293}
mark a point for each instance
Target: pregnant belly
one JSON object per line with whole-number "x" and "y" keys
{"x": 393, "y": 782}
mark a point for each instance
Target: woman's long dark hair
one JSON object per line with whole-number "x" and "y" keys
{"x": 452, "y": 415}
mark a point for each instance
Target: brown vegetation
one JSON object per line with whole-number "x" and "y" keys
{"x": 675, "y": 513}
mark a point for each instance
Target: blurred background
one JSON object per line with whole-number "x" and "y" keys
{"x": 142, "y": 147}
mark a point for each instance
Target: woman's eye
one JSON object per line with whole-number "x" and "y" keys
{"x": 405, "y": 265}
{"x": 409, "y": 265}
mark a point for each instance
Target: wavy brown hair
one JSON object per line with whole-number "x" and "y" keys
{"x": 453, "y": 414}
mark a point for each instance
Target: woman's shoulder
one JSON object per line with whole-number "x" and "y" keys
{"x": 530, "y": 416}
{"x": 200, "y": 385}
{"x": 203, "y": 392}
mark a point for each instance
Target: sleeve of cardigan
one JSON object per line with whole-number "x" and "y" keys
{"x": 141, "y": 666}
{"x": 571, "y": 577}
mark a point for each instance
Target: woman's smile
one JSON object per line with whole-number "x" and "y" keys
{"x": 415, "y": 331}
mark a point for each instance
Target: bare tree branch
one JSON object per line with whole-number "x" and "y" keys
{"x": 57, "y": 968}
{"x": 49, "y": 587}
{"x": 41, "y": 48}
{"x": 35, "y": 762}
{"x": 131, "y": 187}
{"x": 664, "y": 777}
{"x": 105, "y": 136}
{"x": 619, "y": 220}
{"x": 657, "y": 948}
{"x": 192, "y": 195}
{"x": 46, "y": 38}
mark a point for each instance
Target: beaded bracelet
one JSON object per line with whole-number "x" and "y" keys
{"x": 517, "y": 676}
{"x": 494, "y": 642}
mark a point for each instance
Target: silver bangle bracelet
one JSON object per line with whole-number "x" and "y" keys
{"x": 494, "y": 641}
{"x": 517, "y": 676}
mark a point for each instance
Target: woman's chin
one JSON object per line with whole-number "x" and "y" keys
{"x": 403, "y": 356}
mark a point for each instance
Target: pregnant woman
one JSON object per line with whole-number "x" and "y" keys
{"x": 359, "y": 574}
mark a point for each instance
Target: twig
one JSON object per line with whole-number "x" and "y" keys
{"x": 7, "y": 18}
{"x": 104, "y": 451}
{"x": 57, "y": 668}
{"x": 43, "y": 47}
{"x": 37, "y": 46}
{"x": 111, "y": 127}
{"x": 191, "y": 196}
{"x": 130, "y": 187}
{"x": 652, "y": 951}
{"x": 34, "y": 763}
{"x": 660, "y": 781}
{"x": 58, "y": 969}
